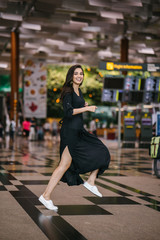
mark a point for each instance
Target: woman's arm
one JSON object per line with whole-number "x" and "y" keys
{"x": 84, "y": 109}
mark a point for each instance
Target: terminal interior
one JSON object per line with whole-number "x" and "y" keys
{"x": 106, "y": 38}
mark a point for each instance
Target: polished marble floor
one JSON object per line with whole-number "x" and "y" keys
{"x": 128, "y": 210}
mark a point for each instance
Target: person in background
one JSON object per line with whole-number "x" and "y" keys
{"x": 154, "y": 130}
{"x": 1, "y": 132}
{"x": 7, "y": 127}
{"x": 47, "y": 130}
{"x": 12, "y": 129}
{"x": 32, "y": 133}
{"x": 92, "y": 127}
{"x": 54, "y": 130}
{"x": 40, "y": 132}
{"x": 26, "y": 128}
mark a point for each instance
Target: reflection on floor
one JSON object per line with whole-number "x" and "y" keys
{"x": 129, "y": 208}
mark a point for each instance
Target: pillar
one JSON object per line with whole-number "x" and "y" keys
{"x": 124, "y": 49}
{"x": 14, "y": 75}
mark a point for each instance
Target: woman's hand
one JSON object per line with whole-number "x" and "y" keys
{"x": 92, "y": 108}
{"x": 86, "y": 104}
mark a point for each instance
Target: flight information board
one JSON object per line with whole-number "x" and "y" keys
{"x": 114, "y": 82}
{"x": 111, "y": 95}
{"x": 132, "y": 97}
{"x": 131, "y": 89}
{"x": 152, "y": 84}
{"x": 132, "y": 83}
{"x": 151, "y": 97}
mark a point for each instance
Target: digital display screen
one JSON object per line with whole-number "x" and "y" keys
{"x": 158, "y": 84}
{"x": 152, "y": 84}
{"x": 111, "y": 95}
{"x": 132, "y": 97}
{"x": 151, "y": 97}
{"x": 132, "y": 83}
{"x": 113, "y": 83}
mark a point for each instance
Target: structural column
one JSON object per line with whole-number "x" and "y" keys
{"x": 14, "y": 75}
{"x": 124, "y": 58}
{"x": 124, "y": 49}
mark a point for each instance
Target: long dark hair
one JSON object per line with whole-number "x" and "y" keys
{"x": 68, "y": 85}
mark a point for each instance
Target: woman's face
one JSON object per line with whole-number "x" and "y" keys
{"x": 78, "y": 76}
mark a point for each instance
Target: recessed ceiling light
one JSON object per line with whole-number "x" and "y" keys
{"x": 9, "y": 16}
{"x": 67, "y": 47}
{"x": 91, "y": 29}
{"x": 54, "y": 42}
{"x": 31, "y": 26}
{"x": 2, "y": 27}
{"x": 148, "y": 38}
{"x": 3, "y": 65}
{"x": 146, "y": 51}
{"x": 31, "y": 45}
{"x": 114, "y": 15}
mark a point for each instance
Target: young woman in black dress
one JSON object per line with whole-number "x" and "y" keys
{"x": 80, "y": 151}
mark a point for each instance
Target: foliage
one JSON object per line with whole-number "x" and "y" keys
{"x": 91, "y": 87}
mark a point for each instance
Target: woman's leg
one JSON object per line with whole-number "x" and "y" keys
{"x": 65, "y": 163}
{"x": 92, "y": 177}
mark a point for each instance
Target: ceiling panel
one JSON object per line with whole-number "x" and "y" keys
{"x": 90, "y": 30}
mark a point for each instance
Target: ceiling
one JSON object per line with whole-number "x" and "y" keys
{"x": 80, "y": 31}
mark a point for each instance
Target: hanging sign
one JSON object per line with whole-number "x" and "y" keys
{"x": 116, "y": 66}
{"x": 35, "y": 91}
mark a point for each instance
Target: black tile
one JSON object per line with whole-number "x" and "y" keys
{"x": 111, "y": 200}
{"x": 38, "y": 166}
{"x": 126, "y": 187}
{"x": 111, "y": 188}
{"x": 113, "y": 174}
{"x": 23, "y": 194}
{"x": 34, "y": 182}
{"x": 153, "y": 201}
{"x": 2, "y": 188}
{"x": 43, "y": 222}
{"x": 155, "y": 207}
{"x": 10, "y": 163}
{"x": 142, "y": 171}
{"x": 9, "y": 176}
{"x": 81, "y": 210}
{"x": 47, "y": 174}
{"x": 22, "y": 188}
{"x": 34, "y": 201}
{"x": 22, "y": 171}
{"x": 4, "y": 179}
{"x": 68, "y": 230}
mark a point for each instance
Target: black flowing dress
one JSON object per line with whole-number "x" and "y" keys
{"x": 87, "y": 151}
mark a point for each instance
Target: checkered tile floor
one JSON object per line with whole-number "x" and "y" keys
{"x": 129, "y": 208}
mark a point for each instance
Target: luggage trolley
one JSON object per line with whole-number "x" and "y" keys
{"x": 155, "y": 154}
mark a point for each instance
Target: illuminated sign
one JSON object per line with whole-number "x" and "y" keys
{"x": 129, "y": 120}
{"x": 110, "y": 66}
{"x": 146, "y": 119}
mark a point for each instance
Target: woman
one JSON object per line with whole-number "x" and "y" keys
{"x": 80, "y": 151}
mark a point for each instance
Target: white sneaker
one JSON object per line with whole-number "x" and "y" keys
{"x": 93, "y": 189}
{"x": 48, "y": 203}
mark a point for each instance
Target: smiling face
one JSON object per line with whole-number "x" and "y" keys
{"x": 78, "y": 76}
